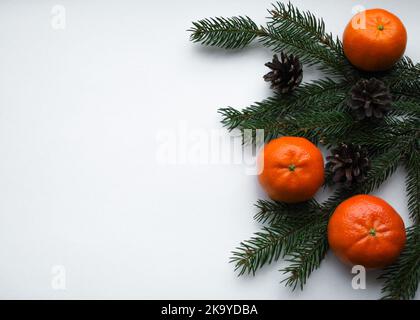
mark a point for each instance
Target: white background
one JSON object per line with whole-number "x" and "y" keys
{"x": 80, "y": 185}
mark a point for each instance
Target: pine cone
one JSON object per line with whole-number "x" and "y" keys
{"x": 370, "y": 98}
{"x": 348, "y": 163}
{"x": 286, "y": 73}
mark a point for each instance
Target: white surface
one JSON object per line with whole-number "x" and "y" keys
{"x": 80, "y": 110}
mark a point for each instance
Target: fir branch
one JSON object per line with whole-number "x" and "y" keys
{"x": 402, "y": 278}
{"x": 406, "y": 89}
{"x": 319, "y": 95}
{"x": 310, "y": 53}
{"x": 396, "y": 131}
{"x": 407, "y": 108}
{"x": 300, "y": 34}
{"x": 306, "y": 256}
{"x": 407, "y": 65}
{"x": 404, "y": 79}
{"x": 252, "y": 116}
{"x": 233, "y": 119}
{"x": 274, "y": 241}
{"x": 287, "y": 19}
{"x": 374, "y": 139}
{"x": 382, "y": 167}
{"x": 228, "y": 33}
{"x": 271, "y": 212}
{"x": 317, "y": 88}
{"x": 291, "y": 228}
{"x": 404, "y": 70}
{"x": 266, "y": 246}
{"x": 329, "y": 126}
{"x": 326, "y": 126}
{"x": 413, "y": 184}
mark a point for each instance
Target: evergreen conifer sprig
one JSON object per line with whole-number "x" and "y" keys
{"x": 402, "y": 278}
{"x": 289, "y": 225}
{"x": 289, "y": 28}
{"x": 412, "y": 166}
{"x": 228, "y": 33}
{"x": 319, "y": 111}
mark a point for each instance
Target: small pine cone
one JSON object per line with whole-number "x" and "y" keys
{"x": 348, "y": 163}
{"x": 370, "y": 98}
{"x": 286, "y": 74}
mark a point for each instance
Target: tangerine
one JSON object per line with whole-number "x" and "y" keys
{"x": 366, "y": 230}
{"x": 374, "y": 40}
{"x": 292, "y": 169}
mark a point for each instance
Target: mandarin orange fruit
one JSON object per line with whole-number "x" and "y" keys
{"x": 292, "y": 169}
{"x": 374, "y": 40}
{"x": 366, "y": 230}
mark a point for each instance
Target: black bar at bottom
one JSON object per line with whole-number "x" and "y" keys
{"x": 208, "y": 309}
